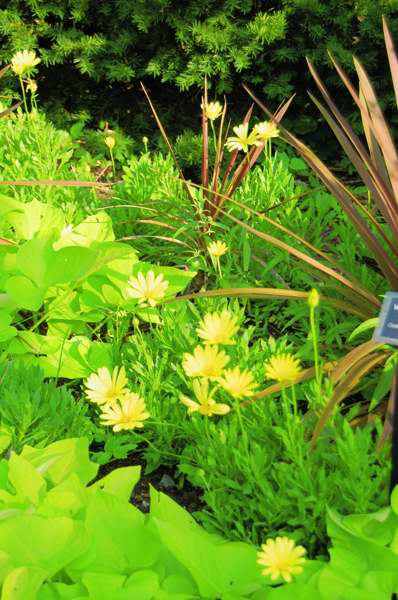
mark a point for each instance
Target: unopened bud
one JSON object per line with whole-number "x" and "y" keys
{"x": 110, "y": 141}
{"x": 313, "y": 298}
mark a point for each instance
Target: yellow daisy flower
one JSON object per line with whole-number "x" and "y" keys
{"x": 243, "y": 139}
{"x": 218, "y": 328}
{"x": 283, "y": 368}
{"x": 217, "y": 249}
{"x": 238, "y": 383}
{"x": 282, "y": 558}
{"x": 265, "y": 131}
{"x": 205, "y": 362}
{"x": 147, "y": 289}
{"x": 24, "y": 61}
{"x": 213, "y": 110}
{"x": 128, "y": 413}
{"x": 206, "y": 405}
{"x": 104, "y": 388}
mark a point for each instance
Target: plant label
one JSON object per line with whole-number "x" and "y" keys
{"x": 387, "y": 328}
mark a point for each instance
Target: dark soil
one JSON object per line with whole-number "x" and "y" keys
{"x": 164, "y": 479}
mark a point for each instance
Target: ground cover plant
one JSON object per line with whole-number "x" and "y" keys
{"x": 88, "y": 540}
{"x": 167, "y": 323}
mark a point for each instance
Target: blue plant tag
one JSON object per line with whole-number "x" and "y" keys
{"x": 387, "y": 328}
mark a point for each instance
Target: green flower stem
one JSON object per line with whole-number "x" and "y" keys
{"x": 23, "y": 95}
{"x": 287, "y": 412}
{"x": 113, "y": 161}
{"x": 242, "y": 429}
{"x": 294, "y": 401}
{"x": 314, "y": 335}
{"x": 214, "y": 137}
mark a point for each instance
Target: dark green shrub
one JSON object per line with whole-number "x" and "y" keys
{"x": 95, "y": 53}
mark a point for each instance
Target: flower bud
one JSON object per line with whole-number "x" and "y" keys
{"x": 110, "y": 141}
{"x": 313, "y": 298}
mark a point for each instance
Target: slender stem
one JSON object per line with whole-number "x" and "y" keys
{"x": 314, "y": 335}
{"x": 113, "y": 161}
{"x": 286, "y": 411}
{"x": 242, "y": 428}
{"x": 24, "y": 95}
{"x": 219, "y": 266}
{"x": 294, "y": 401}
{"x": 214, "y": 137}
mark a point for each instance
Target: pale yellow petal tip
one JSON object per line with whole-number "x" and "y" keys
{"x": 242, "y": 140}
{"x": 213, "y": 110}
{"x": 282, "y": 558}
{"x": 205, "y": 405}
{"x": 218, "y": 328}
{"x": 217, "y": 249}
{"x": 239, "y": 384}
{"x": 147, "y": 289}
{"x": 284, "y": 368}
{"x": 24, "y": 61}
{"x": 129, "y": 412}
{"x": 103, "y": 387}
{"x": 205, "y": 361}
{"x": 266, "y": 130}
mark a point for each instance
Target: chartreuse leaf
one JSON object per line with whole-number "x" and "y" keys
{"x": 23, "y": 583}
{"x": 61, "y": 459}
{"x": 293, "y": 591}
{"x": 25, "y": 293}
{"x": 6, "y": 565}
{"x": 117, "y": 532}
{"x": 70, "y": 265}
{"x": 33, "y": 217}
{"x": 141, "y": 585}
{"x": 74, "y": 358}
{"x": 119, "y": 482}
{"x": 45, "y": 543}
{"x": 217, "y": 567}
{"x": 33, "y": 260}
{"x": 96, "y": 228}
{"x": 65, "y": 499}
{"x": 62, "y": 591}
{"x": 27, "y": 482}
{"x": 378, "y": 527}
{"x": 7, "y": 331}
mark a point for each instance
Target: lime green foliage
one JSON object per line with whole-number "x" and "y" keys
{"x": 152, "y": 209}
{"x": 71, "y": 280}
{"x": 62, "y": 538}
{"x": 33, "y": 149}
{"x": 36, "y": 412}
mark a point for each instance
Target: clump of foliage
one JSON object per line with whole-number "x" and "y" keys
{"x": 254, "y": 464}
{"x": 35, "y": 150}
{"x": 62, "y": 537}
{"x": 36, "y": 412}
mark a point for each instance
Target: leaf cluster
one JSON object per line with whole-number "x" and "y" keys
{"x": 63, "y": 537}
